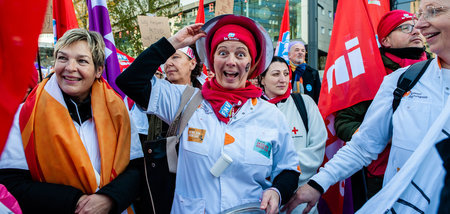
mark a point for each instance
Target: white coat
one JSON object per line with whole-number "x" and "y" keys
{"x": 310, "y": 147}
{"x": 202, "y": 143}
{"x": 407, "y": 127}
{"x": 13, "y": 155}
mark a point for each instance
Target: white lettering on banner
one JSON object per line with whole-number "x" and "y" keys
{"x": 376, "y": 2}
{"x": 340, "y": 70}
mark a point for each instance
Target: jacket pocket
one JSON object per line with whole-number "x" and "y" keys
{"x": 259, "y": 145}
{"x": 194, "y": 141}
{"x": 188, "y": 205}
{"x": 410, "y": 123}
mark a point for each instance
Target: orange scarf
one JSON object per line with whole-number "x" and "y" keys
{"x": 53, "y": 148}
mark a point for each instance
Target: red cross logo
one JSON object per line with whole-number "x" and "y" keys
{"x": 295, "y": 130}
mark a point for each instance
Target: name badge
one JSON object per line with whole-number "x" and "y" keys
{"x": 226, "y": 109}
{"x": 196, "y": 135}
{"x": 263, "y": 147}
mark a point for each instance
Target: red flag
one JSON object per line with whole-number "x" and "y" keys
{"x": 64, "y": 16}
{"x": 352, "y": 75}
{"x": 18, "y": 45}
{"x": 124, "y": 60}
{"x": 283, "y": 39}
{"x": 200, "y": 13}
{"x": 376, "y": 9}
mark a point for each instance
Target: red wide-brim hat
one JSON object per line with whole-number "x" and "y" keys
{"x": 264, "y": 47}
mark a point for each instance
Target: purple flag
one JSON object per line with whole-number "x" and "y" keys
{"x": 99, "y": 21}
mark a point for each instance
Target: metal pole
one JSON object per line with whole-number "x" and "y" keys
{"x": 313, "y": 44}
{"x": 39, "y": 65}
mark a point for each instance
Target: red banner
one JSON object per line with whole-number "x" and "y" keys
{"x": 352, "y": 75}
{"x": 64, "y": 16}
{"x": 124, "y": 60}
{"x": 20, "y": 24}
{"x": 376, "y": 9}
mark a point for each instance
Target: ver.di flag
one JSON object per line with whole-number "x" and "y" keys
{"x": 282, "y": 48}
{"x": 99, "y": 21}
{"x": 351, "y": 76}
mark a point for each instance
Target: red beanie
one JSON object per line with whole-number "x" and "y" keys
{"x": 391, "y": 20}
{"x": 232, "y": 32}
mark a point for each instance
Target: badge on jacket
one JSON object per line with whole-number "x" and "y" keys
{"x": 263, "y": 147}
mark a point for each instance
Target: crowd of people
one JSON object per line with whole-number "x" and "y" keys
{"x": 256, "y": 140}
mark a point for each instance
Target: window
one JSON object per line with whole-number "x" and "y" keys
{"x": 322, "y": 29}
{"x": 329, "y": 32}
{"x": 330, "y": 14}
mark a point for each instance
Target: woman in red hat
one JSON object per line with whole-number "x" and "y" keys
{"x": 236, "y": 149}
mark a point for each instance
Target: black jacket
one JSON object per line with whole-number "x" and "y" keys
{"x": 311, "y": 83}
{"x": 40, "y": 197}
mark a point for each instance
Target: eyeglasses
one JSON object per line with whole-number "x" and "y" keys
{"x": 406, "y": 28}
{"x": 430, "y": 12}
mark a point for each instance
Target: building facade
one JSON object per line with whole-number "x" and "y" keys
{"x": 269, "y": 14}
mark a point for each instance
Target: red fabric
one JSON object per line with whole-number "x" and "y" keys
{"x": 352, "y": 44}
{"x": 284, "y": 21}
{"x": 200, "y": 13}
{"x": 217, "y": 96}
{"x": 18, "y": 45}
{"x": 64, "y": 15}
{"x": 378, "y": 166}
{"x": 234, "y": 32}
{"x": 376, "y": 10}
{"x": 124, "y": 60}
{"x": 391, "y": 20}
{"x": 403, "y": 62}
{"x": 277, "y": 99}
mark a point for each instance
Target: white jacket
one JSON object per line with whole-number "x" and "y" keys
{"x": 202, "y": 143}
{"x": 310, "y": 147}
{"x": 409, "y": 190}
{"x": 13, "y": 155}
{"x": 418, "y": 109}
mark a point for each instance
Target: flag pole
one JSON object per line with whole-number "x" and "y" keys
{"x": 39, "y": 65}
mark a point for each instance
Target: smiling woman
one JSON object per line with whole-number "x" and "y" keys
{"x": 238, "y": 129}
{"x": 72, "y": 147}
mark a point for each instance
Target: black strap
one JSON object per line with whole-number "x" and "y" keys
{"x": 300, "y": 103}
{"x": 407, "y": 81}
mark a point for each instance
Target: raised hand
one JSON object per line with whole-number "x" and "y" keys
{"x": 187, "y": 36}
{"x": 305, "y": 194}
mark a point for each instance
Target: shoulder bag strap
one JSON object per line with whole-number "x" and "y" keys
{"x": 407, "y": 81}
{"x": 300, "y": 103}
{"x": 172, "y": 142}
{"x": 185, "y": 97}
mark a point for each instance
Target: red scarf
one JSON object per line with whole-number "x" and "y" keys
{"x": 277, "y": 99}
{"x": 226, "y": 102}
{"x": 403, "y": 62}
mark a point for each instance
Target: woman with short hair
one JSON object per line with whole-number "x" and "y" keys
{"x": 72, "y": 147}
